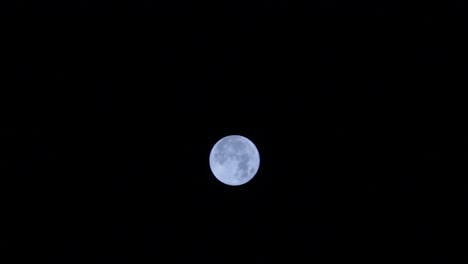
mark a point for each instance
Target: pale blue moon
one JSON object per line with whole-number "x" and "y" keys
{"x": 234, "y": 160}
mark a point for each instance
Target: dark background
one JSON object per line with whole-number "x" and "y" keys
{"x": 110, "y": 111}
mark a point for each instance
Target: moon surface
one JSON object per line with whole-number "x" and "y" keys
{"x": 234, "y": 160}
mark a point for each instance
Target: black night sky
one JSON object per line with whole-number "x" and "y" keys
{"x": 111, "y": 109}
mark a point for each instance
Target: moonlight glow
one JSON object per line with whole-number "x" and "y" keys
{"x": 234, "y": 160}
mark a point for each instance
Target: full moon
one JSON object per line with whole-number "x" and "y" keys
{"x": 234, "y": 160}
